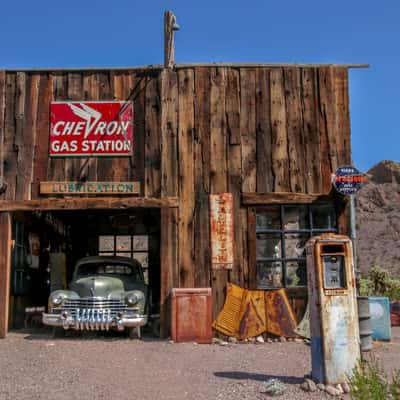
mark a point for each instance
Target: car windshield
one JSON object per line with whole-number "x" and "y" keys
{"x": 108, "y": 269}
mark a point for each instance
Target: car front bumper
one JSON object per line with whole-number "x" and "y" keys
{"x": 94, "y": 322}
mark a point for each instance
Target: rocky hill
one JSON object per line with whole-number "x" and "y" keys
{"x": 378, "y": 219}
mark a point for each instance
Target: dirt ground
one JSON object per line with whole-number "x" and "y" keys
{"x": 37, "y": 366}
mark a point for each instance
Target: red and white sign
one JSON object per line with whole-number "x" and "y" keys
{"x": 221, "y": 223}
{"x": 91, "y": 128}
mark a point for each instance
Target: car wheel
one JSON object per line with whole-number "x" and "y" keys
{"x": 58, "y": 332}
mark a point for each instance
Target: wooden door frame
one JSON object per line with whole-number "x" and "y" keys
{"x": 169, "y": 276}
{"x": 5, "y": 269}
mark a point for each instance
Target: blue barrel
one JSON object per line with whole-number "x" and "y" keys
{"x": 379, "y": 309}
{"x": 364, "y": 322}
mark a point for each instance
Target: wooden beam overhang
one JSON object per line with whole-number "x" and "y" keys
{"x": 253, "y": 199}
{"x": 88, "y": 203}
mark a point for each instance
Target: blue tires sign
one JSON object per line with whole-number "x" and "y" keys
{"x": 348, "y": 180}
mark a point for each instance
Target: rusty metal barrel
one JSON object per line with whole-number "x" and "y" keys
{"x": 364, "y": 321}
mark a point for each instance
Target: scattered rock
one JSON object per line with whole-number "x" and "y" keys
{"x": 269, "y": 340}
{"x": 346, "y": 387}
{"x": 298, "y": 340}
{"x": 215, "y": 340}
{"x": 260, "y": 339}
{"x": 311, "y": 385}
{"x": 274, "y": 387}
{"x": 251, "y": 339}
{"x": 321, "y": 386}
{"x": 305, "y": 387}
{"x": 220, "y": 342}
{"x": 339, "y": 388}
{"x": 282, "y": 339}
{"x": 171, "y": 341}
{"x": 332, "y": 391}
{"x": 232, "y": 339}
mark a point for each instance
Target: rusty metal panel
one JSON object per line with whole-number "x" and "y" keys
{"x": 228, "y": 319}
{"x": 221, "y": 224}
{"x": 191, "y": 315}
{"x": 280, "y": 319}
{"x": 252, "y": 314}
{"x": 243, "y": 315}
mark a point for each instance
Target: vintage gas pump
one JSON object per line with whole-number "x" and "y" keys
{"x": 335, "y": 347}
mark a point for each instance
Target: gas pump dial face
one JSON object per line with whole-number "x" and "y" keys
{"x": 334, "y": 273}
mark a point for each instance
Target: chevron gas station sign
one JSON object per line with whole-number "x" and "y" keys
{"x": 95, "y": 128}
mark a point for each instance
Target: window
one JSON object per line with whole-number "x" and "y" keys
{"x": 133, "y": 246}
{"x": 282, "y": 233}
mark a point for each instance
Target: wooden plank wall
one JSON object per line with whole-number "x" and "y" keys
{"x": 197, "y": 131}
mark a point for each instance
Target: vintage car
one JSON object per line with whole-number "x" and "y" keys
{"x": 105, "y": 292}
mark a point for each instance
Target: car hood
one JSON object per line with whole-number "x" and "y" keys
{"x": 97, "y": 286}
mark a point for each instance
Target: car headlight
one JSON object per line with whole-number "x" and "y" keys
{"x": 57, "y": 300}
{"x": 132, "y": 299}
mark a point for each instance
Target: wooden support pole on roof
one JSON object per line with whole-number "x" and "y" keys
{"x": 170, "y": 26}
{"x": 5, "y": 268}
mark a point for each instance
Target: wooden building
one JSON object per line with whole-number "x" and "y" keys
{"x": 271, "y": 135}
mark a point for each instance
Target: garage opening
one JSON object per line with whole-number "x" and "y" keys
{"x": 47, "y": 246}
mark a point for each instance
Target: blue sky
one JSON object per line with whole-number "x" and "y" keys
{"x": 128, "y": 33}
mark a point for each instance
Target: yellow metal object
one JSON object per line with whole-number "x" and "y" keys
{"x": 249, "y": 313}
{"x": 227, "y": 321}
{"x": 243, "y": 314}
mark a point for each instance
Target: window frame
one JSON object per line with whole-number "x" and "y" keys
{"x": 310, "y": 232}
{"x": 128, "y": 253}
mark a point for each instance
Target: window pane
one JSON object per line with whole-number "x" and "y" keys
{"x": 295, "y": 245}
{"x": 269, "y": 246}
{"x": 269, "y": 218}
{"x": 123, "y": 243}
{"x": 296, "y": 273}
{"x": 269, "y": 274}
{"x": 143, "y": 258}
{"x": 295, "y": 218}
{"x": 106, "y": 243}
{"x": 323, "y": 217}
{"x": 141, "y": 243}
{"x": 124, "y": 254}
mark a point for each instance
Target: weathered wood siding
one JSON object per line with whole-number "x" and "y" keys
{"x": 197, "y": 131}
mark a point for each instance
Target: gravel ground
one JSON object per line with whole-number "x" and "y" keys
{"x": 36, "y": 366}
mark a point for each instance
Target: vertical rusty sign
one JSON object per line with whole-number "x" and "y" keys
{"x": 221, "y": 224}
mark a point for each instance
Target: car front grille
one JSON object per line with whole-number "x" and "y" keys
{"x": 94, "y": 313}
{"x": 94, "y": 306}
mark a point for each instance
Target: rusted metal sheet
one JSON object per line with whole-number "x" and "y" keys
{"x": 227, "y": 321}
{"x": 395, "y": 313}
{"x": 252, "y": 314}
{"x": 221, "y": 224}
{"x": 191, "y": 315}
{"x": 335, "y": 347}
{"x": 249, "y": 313}
{"x": 280, "y": 318}
{"x": 243, "y": 314}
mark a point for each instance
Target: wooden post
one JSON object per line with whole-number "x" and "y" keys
{"x": 170, "y": 26}
{"x": 5, "y": 268}
{"x": 169, "y": 266}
